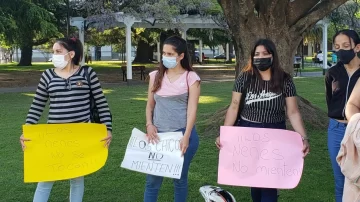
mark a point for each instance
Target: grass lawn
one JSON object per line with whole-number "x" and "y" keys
{"x": 309, "y": 59}
{"x": 312, "y": 69}
{"x": 114, "y": 184}
{"x": 110, "y": 65}
{"x": 98, "y": 65}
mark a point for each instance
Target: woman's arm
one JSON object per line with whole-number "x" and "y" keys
{"x": 194, "y": 94}
{"x": 39, "y": 101}
{"x": 38, "y": 104}
{"x": 294, "y": 116}
{"x": 328, "y": 89}
{"x": 151, "y": 130}
{"x": 297, "y": 122}
{"x": 150, "y": 104}
{"x": 100, "y": 101}
{"x": 353, "y": 104}
{"x": 232, "y": 112}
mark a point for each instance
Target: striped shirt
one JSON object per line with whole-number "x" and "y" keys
{"x": 69, "y": 99}
{"x": 261, "y": 104}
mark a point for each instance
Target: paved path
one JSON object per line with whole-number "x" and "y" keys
{"x": 310, "y": 74}
{"x": 108, "y": 85}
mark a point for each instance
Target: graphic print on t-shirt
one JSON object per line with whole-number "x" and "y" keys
{"x": 259, "y": 97}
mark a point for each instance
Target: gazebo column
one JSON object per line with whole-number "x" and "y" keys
{"x": 129, "y": 22}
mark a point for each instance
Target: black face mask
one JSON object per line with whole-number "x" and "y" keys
{"x": 345, "y": 56}
{"x": 262, "y": 64}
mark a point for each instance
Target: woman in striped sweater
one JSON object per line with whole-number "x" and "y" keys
{"x": 68, "y": 91}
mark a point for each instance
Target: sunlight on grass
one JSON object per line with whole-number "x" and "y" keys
{"x": 208, "y": 99}
{"x": 107, "y": 91}
{"x": 139, "y": 98}
{"x": 202, "y": 100}
{"x": 29, "y": 94}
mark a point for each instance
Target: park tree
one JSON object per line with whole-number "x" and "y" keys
{"x": 212, "y": 37}
{"x": 346, "y": 16}
{"x": 282, "y": 21}
{"x": 33, "y": 25}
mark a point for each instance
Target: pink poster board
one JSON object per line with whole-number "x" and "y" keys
{"x": 259, "y": 157}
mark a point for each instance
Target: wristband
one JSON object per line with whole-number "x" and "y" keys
{"x": 305, "y": 138}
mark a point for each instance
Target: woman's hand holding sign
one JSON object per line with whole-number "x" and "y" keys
{"x": 22, "y": 141}
{"x": 217, "y": 142}
{"x": 152, "y": 134}
{"x": 108, "y": 139}
{"x": 306, "y": 148}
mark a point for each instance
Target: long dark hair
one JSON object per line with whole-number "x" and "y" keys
{"x": 349, "y": 33}
{"x": 278, "y": 75}
{"x": 72, "y": 44}
{"x": 180, "y": 46}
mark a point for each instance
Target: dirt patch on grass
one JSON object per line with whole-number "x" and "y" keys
{"x": 311, "y": 114}
{"x": 9, "y": 78}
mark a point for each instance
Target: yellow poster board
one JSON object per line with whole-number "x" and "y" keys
{"x": 63, "y": 151}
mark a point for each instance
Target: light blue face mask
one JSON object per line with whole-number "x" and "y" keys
{"x": 169, "y": 62}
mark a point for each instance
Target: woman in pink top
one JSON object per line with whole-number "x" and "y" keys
{"x": 173, "y": 96}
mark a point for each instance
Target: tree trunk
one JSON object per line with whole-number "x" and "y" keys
{"x": 151, "y": 52}
{"x": 26, "y": 55}
{"x": 2, "y": 56}
{"x": 143, "y": 52}
{"x": 284, "y": 22}
{"x": 231, "y": 50}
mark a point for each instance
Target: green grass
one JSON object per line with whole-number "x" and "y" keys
{"x": 312, "y": 69}
{"x": 99, "y": 66}
{"x": 114, "y": 184}
{"x": 40, "y": 66}
{"x": 309, "y": 59}
{"x": 104, "y": 66}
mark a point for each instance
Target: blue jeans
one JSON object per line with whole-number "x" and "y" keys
{"x": 43, "y": 190}
{"x": 153, "y": 183}
{"x": 263, "y": 194}
{"x": 336, "y": 132}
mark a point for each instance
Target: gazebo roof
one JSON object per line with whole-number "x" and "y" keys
{"x": 186, "y": 21}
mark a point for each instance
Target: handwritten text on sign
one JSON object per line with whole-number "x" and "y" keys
{"x": 161, "y": 159}
{"x": 63, "y": 151}
{"x": 258, "y": 157}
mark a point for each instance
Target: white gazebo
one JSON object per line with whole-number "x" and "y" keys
{"x": 185, "y": 22}
{"x": 324, "y": 25}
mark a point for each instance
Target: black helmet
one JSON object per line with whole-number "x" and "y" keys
{"x": 216, "y": 194}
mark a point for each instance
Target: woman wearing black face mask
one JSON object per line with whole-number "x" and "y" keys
{"x": 263, "y": 90}
{"x": 340, "y": 81}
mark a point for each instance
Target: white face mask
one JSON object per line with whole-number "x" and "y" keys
{"x": 169, "y": 62}
{"x": 59, "y": 61}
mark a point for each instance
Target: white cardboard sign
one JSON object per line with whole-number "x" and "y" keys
{"x": 161, "y": 159}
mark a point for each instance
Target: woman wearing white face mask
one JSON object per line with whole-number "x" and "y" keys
{"x": 173, "y": 96}
{"x": 65, "y": 86}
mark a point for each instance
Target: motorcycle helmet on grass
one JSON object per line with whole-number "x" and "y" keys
{"x": 216, "y": 194}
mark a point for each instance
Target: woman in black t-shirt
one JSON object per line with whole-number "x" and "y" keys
{"x": 266, "y": 91}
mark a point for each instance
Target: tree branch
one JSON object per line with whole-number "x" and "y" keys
{"x": 40, "y": 42}
{"x": 245, "y": 8}
{"x": 238, "y": 13}
{"x": 298, "y": 9}
{"x": 151, "y": 23}
{"x": 318, "y": 12}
